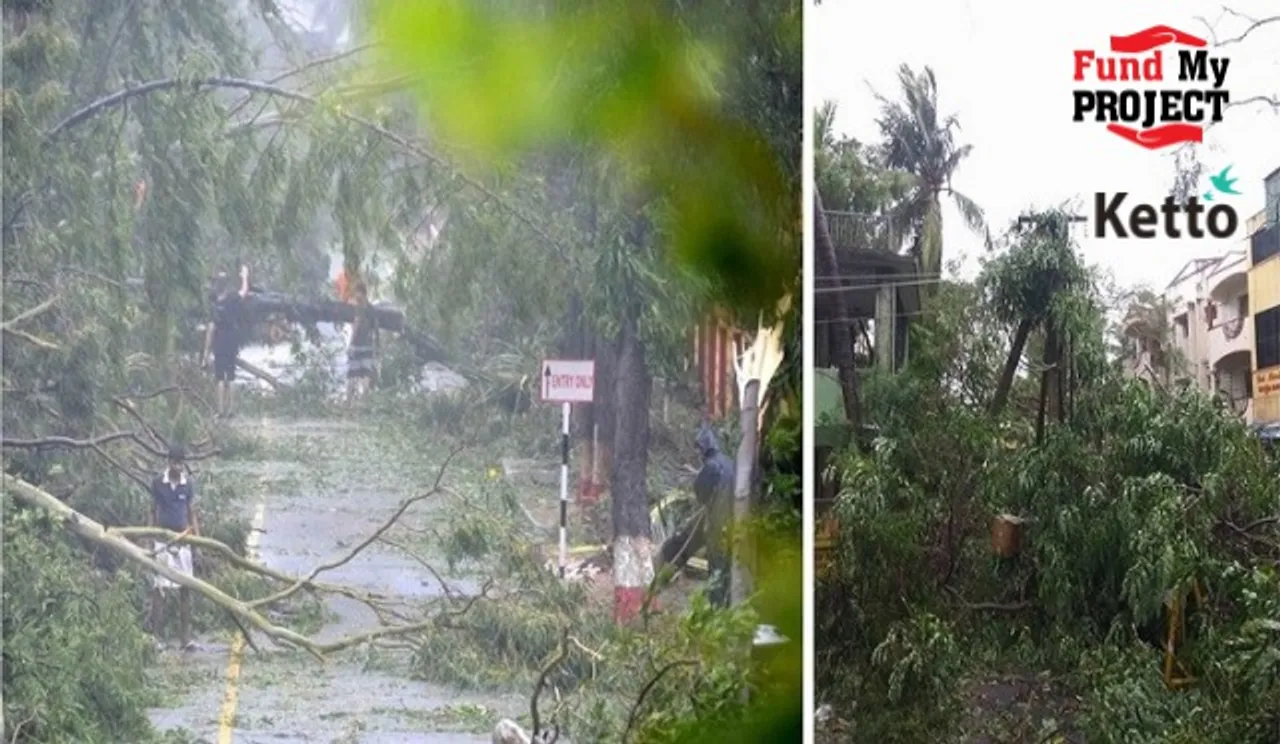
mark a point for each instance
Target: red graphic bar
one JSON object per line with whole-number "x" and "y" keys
{"x": 1161, "y": 136}
{"x": 1156, "y": 36}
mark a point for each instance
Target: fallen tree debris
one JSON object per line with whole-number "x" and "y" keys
{"x": 117, "y": 540}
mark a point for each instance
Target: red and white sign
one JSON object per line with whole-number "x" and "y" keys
{"x": 568, "y": 380}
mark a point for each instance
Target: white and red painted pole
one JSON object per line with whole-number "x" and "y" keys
{"x": 564, "y": 486}
{"x": 567, "y": 381}
{"x": 632, "y": 575}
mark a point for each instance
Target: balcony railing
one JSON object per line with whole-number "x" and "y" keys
{"x": 850, "y": 230}
{"x": 1265, "y": 243}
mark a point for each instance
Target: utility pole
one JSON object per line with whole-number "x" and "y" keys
{"x": 1069, "y": 219}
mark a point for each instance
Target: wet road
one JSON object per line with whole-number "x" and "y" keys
{"x": 343, "y": 482}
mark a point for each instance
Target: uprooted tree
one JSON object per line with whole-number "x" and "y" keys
{"x": 124, "y": 543}
{"x": 1141, "y": 594}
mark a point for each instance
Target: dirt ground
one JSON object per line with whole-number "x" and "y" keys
{"x": 322, "y": 486}
{"x": 1000, "y": 709}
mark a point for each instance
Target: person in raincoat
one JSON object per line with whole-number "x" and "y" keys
{"x": 713, "y": 488}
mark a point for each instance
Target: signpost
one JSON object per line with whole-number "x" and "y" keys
{"x": 567, "y": 381}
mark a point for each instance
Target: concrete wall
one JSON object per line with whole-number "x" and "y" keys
{"x": 1264, "y": 285}
{"x": 1185, "y": 299}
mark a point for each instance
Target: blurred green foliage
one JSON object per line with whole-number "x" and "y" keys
{"x": 630, "y": 82}
{"x": 73, "y": 644}
{"x": 686, "y": 118}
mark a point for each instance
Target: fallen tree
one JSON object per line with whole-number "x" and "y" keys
{"x": 261, "y": 306}
{"x": 119, "y": 540}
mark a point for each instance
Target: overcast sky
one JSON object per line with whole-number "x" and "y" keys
{"x": 1004, "y": 67}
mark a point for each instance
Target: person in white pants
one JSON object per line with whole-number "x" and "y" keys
{"x": 173, "y": 508}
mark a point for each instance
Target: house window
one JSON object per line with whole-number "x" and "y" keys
{"x": 1234, "y": 384}
{"x": 1183, "y": 328}
{"x": 1266, "y": 332}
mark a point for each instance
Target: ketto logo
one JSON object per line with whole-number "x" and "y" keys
{"x": 1148, "y": 221}
{"x": 1133, "y": 92}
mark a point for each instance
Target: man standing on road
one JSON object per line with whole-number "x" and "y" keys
{"x": 362, "y": 351}
{"x": 223, "y": 338}
{"x": 714, "y": 488}
{"x": 173, "y": 508}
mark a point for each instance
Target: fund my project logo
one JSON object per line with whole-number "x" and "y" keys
{"x": 1205, "y": 215}
{"x": 1155, "y": 88}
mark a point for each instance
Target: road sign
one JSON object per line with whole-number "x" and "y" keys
{"x": 568, "y": 380}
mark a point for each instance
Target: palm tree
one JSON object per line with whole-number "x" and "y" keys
{"x": 920, "y": 142}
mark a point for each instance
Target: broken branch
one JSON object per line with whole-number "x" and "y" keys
{"x": 31, "y": 339}
{"x": 562, "y": 653}
{"x": 388, "y": 524}
{"x": 633, "y": 717}
{"x": 115, "y": 541}
{"x": 231, "y": 556}
{"x": 254, "y": 86}
{"x": 69, "y": 443}
{"x": 28, "y": 314}
{"x": 259, "y": 373}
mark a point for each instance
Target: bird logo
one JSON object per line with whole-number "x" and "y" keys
{"x": 1222, "y": 184}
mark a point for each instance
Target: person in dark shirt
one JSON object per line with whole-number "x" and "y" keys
{"x": 714, "y": 488}
{"x": 361, "y": 354}
{"x": 224, "y": 337}
{"x": 173, "y": 508}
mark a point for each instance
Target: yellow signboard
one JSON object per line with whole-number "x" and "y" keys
{"x": 1267, "y": 381}
{"x": 1266, "y": 395}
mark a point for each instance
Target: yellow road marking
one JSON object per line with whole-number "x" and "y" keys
{"x": 227, "y": 718}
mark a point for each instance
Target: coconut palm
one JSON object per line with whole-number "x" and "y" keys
{"x": 921, "y": 142}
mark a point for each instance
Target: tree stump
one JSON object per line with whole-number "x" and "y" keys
{"x": 1007, "y": 535}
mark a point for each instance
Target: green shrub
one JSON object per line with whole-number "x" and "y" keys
{"x": 74, "y": 649}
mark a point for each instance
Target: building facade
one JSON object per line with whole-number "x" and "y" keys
{"x": 1223, "y": 324}
{"x": 1264, "y": 293}
{"x": 1209, "y": 339}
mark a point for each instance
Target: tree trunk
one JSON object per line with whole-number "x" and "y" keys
{"x": 1050, "y": 380}
{"x": 1001, "y": 397}
{"x": 1063, "y": 376}
{"x": 842, "y": 346}
{"x": 1044, "y": 395}
{"x": 929, "y": 242}
{"x": 743, "y": 555}
{"x": 600, "y": 420}
{"x": 632, "y": 550}
{"x": 1071, "y": 379}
